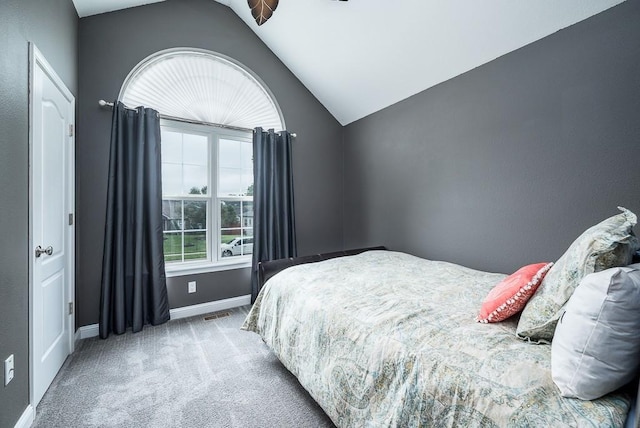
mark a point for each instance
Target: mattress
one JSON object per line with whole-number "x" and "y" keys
{"x": 388, "y": 339}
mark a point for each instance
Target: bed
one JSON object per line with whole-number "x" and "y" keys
{"x": 388, "y": 339}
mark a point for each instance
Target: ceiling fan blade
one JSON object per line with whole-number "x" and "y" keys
{"x": 261, "y": 10}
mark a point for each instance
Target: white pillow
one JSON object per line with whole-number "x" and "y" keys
{"x": 596, "y": 346}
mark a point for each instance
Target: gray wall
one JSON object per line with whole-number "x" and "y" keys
{"x": 508, "y": 163}
{"x": 499, "y": 167}
{"x": 110, "y": 46}
{"x": 52, "y": 25}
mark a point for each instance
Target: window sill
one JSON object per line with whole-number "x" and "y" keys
{"x": 198, "y": 268}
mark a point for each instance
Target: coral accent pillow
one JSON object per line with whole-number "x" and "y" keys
{"x": 512, "y": 293}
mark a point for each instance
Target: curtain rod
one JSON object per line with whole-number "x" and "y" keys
{"x": 107, "y": 104}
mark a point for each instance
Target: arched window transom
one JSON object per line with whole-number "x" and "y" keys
{"x": 201, "y": 86}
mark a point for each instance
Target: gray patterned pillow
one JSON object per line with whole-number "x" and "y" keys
{"x": 610, "y": 243}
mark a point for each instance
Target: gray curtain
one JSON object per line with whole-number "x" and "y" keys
{"x": 274, "y": 223}
{"x": 134, "y": 290}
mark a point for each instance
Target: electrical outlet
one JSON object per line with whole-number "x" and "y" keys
{"x": 192, "y": 286}
{"x": 8, "y": 370}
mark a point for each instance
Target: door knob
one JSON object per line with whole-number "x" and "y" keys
{"x": 40, "y": 251}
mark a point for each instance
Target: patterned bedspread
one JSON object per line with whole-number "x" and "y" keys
{"x": 388, "y": 339}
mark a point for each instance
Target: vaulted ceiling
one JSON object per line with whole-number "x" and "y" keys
{"x": 360, "y": 56}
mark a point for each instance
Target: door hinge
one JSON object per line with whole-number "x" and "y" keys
{"x": 70, "y": 308}
{"x": 70, "y": 219}
{"x": 71, "y": 130}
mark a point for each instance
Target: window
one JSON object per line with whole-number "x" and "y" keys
{"x": 209, "y": 104}
{"x": 202, "y": 86}
{"x": 207, "y": 195}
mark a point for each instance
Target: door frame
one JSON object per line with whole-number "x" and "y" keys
{"x": 37, "y": 59}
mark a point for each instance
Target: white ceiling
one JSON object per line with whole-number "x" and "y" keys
{"x": 360, "y": 56}
{"x": 94, "y": 7}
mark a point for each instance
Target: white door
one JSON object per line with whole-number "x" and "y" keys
{"x": 52, "y": 237}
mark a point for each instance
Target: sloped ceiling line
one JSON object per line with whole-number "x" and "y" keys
{"x": 360, "y": 56}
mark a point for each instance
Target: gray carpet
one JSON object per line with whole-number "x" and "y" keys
{"x": 185, "y": 373}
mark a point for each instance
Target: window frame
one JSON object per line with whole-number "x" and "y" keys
{"x": 214, "y": 262}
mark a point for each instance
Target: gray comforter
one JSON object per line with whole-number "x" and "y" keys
{"x": 388, "y": 339}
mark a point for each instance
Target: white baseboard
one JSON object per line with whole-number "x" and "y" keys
{"x": 178, "y": 313}
{"x": 87, "y": 331}
{"x": 27, "y": 418}
{"x": 205, "y": 308}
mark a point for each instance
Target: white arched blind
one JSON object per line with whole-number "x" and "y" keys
{"x": 201, "y": 86}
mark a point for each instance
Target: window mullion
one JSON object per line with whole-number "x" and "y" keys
{"x": 214, "y": 241}
{"x": 182, "y": 229}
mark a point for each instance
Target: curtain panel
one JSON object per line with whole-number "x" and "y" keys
{"x": 134, "y": 291}
{"x": 274, "y": 217}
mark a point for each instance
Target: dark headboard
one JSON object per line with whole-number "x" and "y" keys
{"x": 267, "y": 269}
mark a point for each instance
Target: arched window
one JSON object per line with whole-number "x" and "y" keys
{"x": 203, "y": 86}
{"x": 209, "y": 104}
